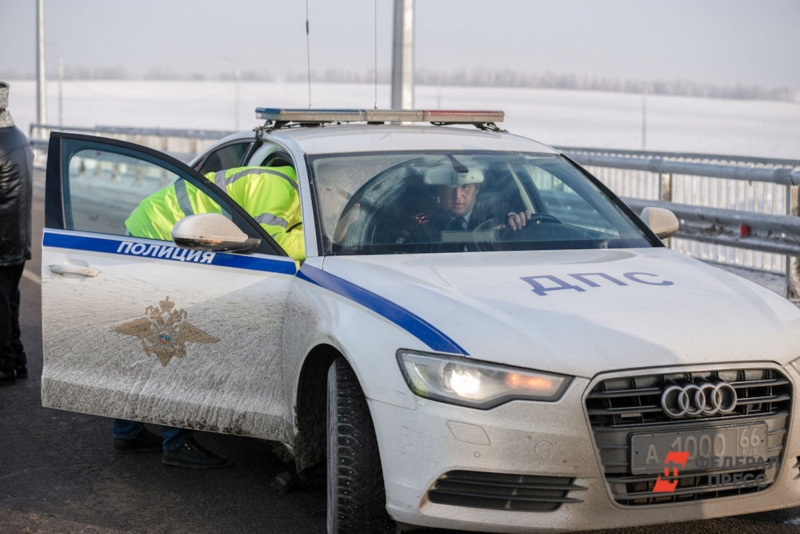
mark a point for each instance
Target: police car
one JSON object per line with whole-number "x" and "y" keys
{"x": 481, "y": 336}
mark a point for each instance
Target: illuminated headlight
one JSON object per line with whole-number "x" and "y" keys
{"x": 475, "y": 383}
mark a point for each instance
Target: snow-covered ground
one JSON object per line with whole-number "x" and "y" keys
{"x": 556, "y": 117}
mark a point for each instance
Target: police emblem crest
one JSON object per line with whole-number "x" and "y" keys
{"x": 164, "y": 331}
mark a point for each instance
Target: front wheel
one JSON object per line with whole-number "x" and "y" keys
{"x": 356, "y": 495}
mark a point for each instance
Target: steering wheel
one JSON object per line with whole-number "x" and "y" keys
{"x": 500, "y": 231}
{"x": 500, "y": 225}
{"x": 539, "y": 218}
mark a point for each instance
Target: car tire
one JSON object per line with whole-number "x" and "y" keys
{"x": 356, "y": 494}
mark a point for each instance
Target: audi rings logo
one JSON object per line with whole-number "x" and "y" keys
{"x": 703, "y": 400}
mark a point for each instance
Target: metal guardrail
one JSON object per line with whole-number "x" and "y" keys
{"x": 735, "y": 210}
{"x": 777, "y": 175}
{"x": 109, "y": 131}
{"x": 766, "y": 233}
{"x": 683, "y": 156}
{"x": 182, "y": 144}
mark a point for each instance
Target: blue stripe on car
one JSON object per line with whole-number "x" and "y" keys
{"x": 400, "y": 316}
{"x": 115, "y": 246}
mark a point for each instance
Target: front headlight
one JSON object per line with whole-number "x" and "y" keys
{"x": 796, "y": 364}
{"x": 476, "y": 384}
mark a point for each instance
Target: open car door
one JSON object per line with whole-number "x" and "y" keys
{"x": 142, "y": 329}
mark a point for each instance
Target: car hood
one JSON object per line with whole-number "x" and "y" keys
{"x": 584, "y": 312}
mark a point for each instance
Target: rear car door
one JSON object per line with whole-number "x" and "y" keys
{"x": 142, "y": 329}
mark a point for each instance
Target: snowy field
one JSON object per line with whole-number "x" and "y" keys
{"x": 556, "y": 117}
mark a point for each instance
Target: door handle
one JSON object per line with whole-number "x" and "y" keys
{"x": 74, "y": 269}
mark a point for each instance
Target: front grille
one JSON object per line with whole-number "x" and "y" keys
{"x": 636, "y": 400}
{"x": 619, "y": 408}
{"x": 500, "y": 491}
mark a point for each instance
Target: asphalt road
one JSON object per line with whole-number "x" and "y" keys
{"x": 60, "y": 474}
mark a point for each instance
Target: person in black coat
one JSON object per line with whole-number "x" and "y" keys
{"x": 16, "y": 185}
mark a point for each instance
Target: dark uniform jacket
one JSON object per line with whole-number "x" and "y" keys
{"x": 16, "y": 188}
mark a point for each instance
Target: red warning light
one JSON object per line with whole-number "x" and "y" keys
{"x": 744, "y": 230}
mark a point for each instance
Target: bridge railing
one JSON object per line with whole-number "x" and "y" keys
{"x": 734, "y": 210}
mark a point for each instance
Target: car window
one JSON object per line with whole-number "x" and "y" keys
{"x": 106, "y": 188}
{"x": 452, "y": 202}
{"x": 226, "y": 157}
{"x": 269, "y": 154}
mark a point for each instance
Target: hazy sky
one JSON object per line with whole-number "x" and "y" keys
{"x": 754, "y": 42}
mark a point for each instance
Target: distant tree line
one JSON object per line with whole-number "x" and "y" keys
{"x": 476, "y": 77}
{"x": 582, "y": 82}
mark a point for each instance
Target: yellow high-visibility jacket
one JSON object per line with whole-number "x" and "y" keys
{"x": 268, "y": 194}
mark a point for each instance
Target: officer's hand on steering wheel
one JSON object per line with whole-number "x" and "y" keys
{"x": 518, "y": 221}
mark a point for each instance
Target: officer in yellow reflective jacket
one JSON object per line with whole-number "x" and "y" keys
{"x": 268, "y": 194}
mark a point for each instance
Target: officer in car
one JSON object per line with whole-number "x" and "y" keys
{"x": 457, "y": 194}
{"x": 458, "y": 191}
{"x": 270, "y": 196}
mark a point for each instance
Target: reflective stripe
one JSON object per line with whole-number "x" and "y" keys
{"x": 183, "y": 198}
{"x": 223, "y": 181}
{"x": 405, "y": 319}
{"x": 219, "y": 176}
{"x": 271, "y": 220}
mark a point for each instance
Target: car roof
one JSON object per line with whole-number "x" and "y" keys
{"x": 349, "y": 138}
{"x": 345, "y": 138}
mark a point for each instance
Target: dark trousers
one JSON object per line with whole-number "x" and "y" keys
{"x": 172, "y": 438}
{"x": 12, "y": 355}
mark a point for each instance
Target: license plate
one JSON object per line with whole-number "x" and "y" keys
{"x": 708, "y": 446}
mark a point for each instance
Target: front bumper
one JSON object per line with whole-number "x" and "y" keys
{"x": 537, "y": 439}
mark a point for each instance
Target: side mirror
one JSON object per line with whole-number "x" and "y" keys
{"x": 211, "y": 232}
{"x": 662, "y": 222}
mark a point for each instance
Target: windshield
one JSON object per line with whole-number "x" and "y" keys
{"x": 462, "y": 202}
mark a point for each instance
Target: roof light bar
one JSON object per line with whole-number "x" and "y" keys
{"x": 379, "y": 115}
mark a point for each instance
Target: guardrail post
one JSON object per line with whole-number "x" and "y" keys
{"x": 666, "y": 187}
{"x": 665, "y": 195}
{"x": 792, "y": 289}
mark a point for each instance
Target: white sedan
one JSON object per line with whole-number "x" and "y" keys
{"x": 481, "y": 337}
